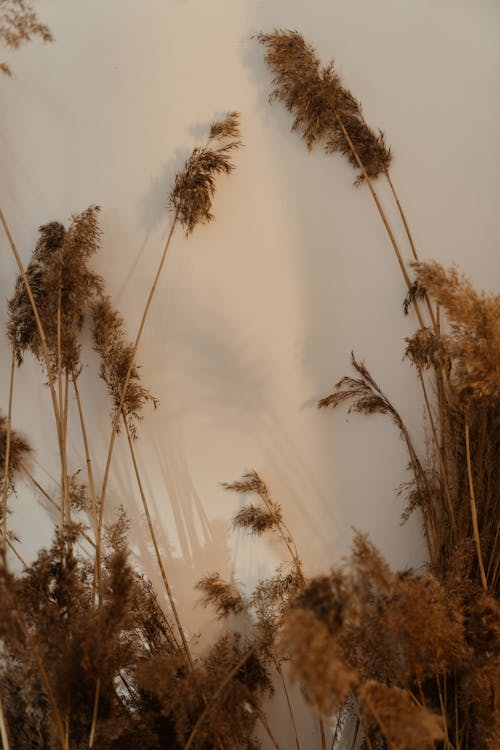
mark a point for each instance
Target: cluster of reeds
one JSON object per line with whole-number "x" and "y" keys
{"x": 91, "y": 656}
{"x": 414, "y": 656}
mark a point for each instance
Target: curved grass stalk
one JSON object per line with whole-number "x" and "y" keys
{"x": 322, "y": 733}
{"x": 404, "y": 271}
{"x": 218, "y": 693}
{"x": 39, "y": 326}
{"x": 4, "y": 734}
{"x": 88, "y": 459}
{"x": 473, "y": 509}
{"x": 156, "y": 547}
{"x": 118, "y": 414}
{"x": 265, "y": 724}
{"x": 50, "y": 499}
{"x": 383, "y": 216}
{"x": 7, "y": 454}
{"x": 94, "y": 713}
{"x": 16, "y": 553}
{"x": 289, "y": 704}
{"x": 90, "y": 476}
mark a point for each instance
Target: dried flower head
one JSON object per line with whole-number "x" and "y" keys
{"x": 19, "y": 24}
{"x": 317, "y": 661}
{"x": 63, "y": 286}
{"x": 426, "y": 349}
{"x": 253, "y": 517}
{"x": 363, "y": 393}
{"x": 19, "y": 450}
{"x": 21, "y": 327}
{"x": 108, "y": 335}
{"x": 250, "y": 482}
{"x": 403, "y": 723}
{"x": 415, "y": 292}
{"x": 256, "y": 519}
{"x": 474, "y": 343}
{"x": 325, "y": 112}
{"x": 223, "y": 596}
{"x": 194, "y": 187}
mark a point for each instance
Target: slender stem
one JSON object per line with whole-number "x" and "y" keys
{"x": 117, "y": 418}
{"x": 215, "y": 697}
{"x": 155, "y": 545}
{"x": 50, "y": 693}
{"x": 407, "y": 279}
{"x": 88, "y": 460}
{"x": 438, "y": 451}
{"x": 16, "y": 553}
{"x": 50, "y": 499}
{"x": 64, "y": 476}
{"x": 383, "y": 216}
{"x": 38, "y": 321}
{"x": 94, "y": 712}
{"x": 322, "y": 733}
{"x": 494, "y": 558}
{"x": 408, "y": 283}
{"x": 402, "y": 214}
{"x": 289, "y": 704}
{"x": 265, "y": 724}
{"x": 473, "y": 509}
{"x": 7, "y": 454}
{"x": 4, "y": 734}
{"x": 285, "y": 534}
{"x": 66, "y": 503}
{"x": 41, "y": 333}
{"x": 355, "y": 736}
{"x": 457, "y": 728}
{"x": 410, "y": 237}
{"x": 93, "y": 496}
{"x": 442, "y": 704}
{"x": 435, "y": 325}
{"x": 337, "y": 727}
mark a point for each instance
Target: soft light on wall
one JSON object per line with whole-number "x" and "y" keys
{"x": 257, "y": 313}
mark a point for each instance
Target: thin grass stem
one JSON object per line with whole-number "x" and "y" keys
{"x": 118, "y": 414}
{"x": 337, "y": 727}
{"x": 473, "y": 509}
{"x": 38, "y": 321}
{"x": 409, "y": 236}
{"x": 355, "y": 735}
{"x": 88, "y": 459}
{"x": 322, "y": 733}
{"x": 265, "y": 724}
{"x": 7, "y": 453}
{"x": 383, "y": 216}
{"x": 16, "y": 553}
{"x": 50, "y": 499}
{"x": 156, "y": 547}
{"x": 95, "y": 712}
{"x": 4, "y": 734}
{"x": 218, "y": 693}
{"x": 288, "y": 702}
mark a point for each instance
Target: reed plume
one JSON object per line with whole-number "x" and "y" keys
{"x": 63, "y": 286}
{"x": 19, "y": 24}
{"x": 116, "y": 357}
{"x": 194, "y": 187}
{"x": 324, "y": 109}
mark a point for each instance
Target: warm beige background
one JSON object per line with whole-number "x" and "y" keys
{"x": 256, "y": 315}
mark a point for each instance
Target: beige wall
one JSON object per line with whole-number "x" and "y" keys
{"x": 256, "y": 315}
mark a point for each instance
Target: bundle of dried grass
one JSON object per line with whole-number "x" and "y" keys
{"x": 86, "y": 644}
{"x": 407, "y": 650}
